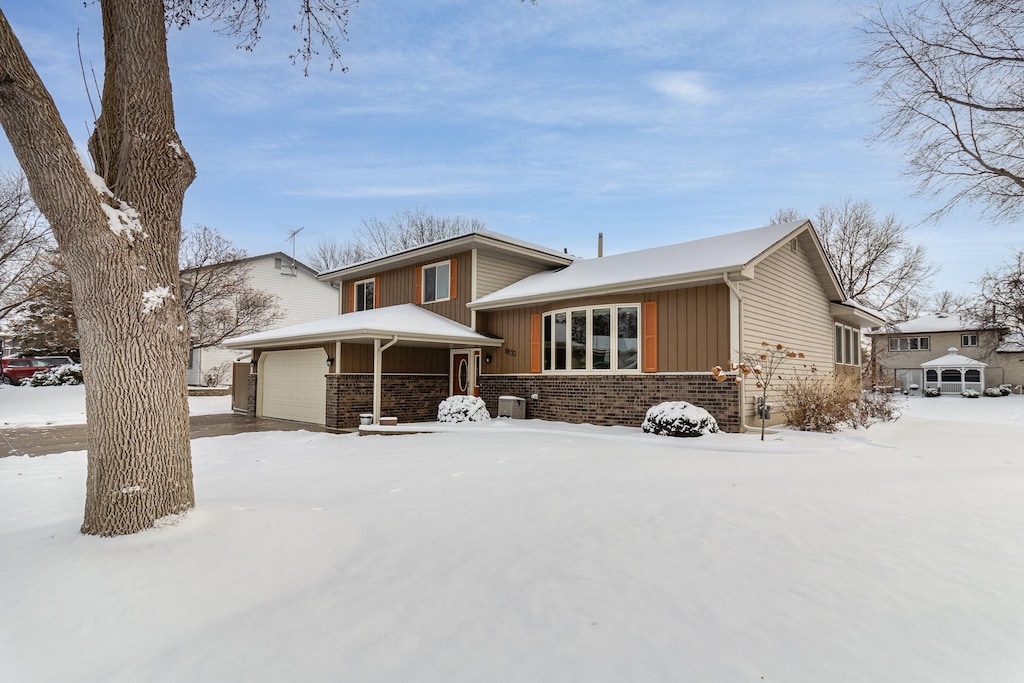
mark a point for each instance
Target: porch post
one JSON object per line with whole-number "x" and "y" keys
{"x": 377, "y": 358}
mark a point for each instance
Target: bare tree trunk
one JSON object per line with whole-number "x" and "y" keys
{"x": 120, "y": 248}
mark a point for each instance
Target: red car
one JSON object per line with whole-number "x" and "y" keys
{"x": 18, "y": 369}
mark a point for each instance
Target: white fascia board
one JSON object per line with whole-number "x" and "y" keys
{"x": 365, "y": 336}
{"x": 690, "y": 280}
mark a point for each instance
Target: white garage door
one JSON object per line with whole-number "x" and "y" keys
{"x": 292, "y": 385}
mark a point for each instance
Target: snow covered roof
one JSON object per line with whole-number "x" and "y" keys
{"x": 706, "y": 259}
{"x": 450, "y": 245}
{"x": 408, "y": 322}
{"x": 937, "y": 322}
{"x": 953, "y": 359}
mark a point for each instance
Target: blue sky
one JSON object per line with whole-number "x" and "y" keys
{"x": 648, "y": 120}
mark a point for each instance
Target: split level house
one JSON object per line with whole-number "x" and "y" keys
{"x": 946, "y": 351}
{"x": 595, "y": 340}
{"x": 300, "y": 296}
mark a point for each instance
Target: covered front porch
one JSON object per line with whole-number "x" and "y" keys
{"x": 395, "y": 361}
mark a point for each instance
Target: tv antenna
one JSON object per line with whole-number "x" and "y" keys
{"x": 291, "y": 238}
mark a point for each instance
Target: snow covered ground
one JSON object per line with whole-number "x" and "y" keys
{"x": 24, "y": 406}
{"x": 534, "y": 551}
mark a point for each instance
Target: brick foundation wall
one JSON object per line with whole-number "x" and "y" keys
{"x": 410, "y": 398}
{"x": 250, "y": 403}
{"x": 613, "y": 399}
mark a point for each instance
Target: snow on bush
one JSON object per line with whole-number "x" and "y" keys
{"x": 995, "y": 392}
{"x": 970, "y": 393}
{"x": 679, "y": 418}
{"x": 932, "y": 392}
{"x": 462, "y": 409}
{"x": 62, "y": 375}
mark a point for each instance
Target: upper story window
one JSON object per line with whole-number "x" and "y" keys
{"x": 968, "y": 340}
{"x": 437, "y": 282}
{"x": 598, "y": 338}
{"x": 910, "y": 343}
{"x": 363, "y": 296}
{"x": 847, "y": 345}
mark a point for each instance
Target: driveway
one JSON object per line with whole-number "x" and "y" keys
{"x": 58, "y": 439}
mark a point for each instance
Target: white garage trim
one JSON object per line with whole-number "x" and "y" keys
{"x": 292, "y": 385}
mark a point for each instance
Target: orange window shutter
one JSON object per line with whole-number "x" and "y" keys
{"x": 650, "y": 325}
{"x": 535, "y": 342}
{"x": 453, "y": 278}
{"x": 352, "y": 298}
{"x": 419, "y": 284}
{"x": 376, "y": 291}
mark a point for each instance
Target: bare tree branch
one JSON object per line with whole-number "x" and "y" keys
{"x": 949, "y": 74}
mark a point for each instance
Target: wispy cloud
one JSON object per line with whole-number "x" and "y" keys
{"x": 688, "y": 87}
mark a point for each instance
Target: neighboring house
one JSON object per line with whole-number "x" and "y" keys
{"x": 300, "y": 296}
{"x": 596, "y": 340}
{"x": 946, "y": 351}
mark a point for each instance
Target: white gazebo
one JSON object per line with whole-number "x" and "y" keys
{"x": 954, "y": 373}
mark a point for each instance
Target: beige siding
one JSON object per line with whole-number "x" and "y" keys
{"x": 1004, "y": 368}
{"x": 496, "y": 270}
{"x": 786, "y": 304}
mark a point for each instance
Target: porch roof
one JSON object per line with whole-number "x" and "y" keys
{"x": 953, "y": 359}
{"x": 407, "y": 323}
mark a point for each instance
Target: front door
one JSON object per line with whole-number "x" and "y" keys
{"x": 460, "y": 373}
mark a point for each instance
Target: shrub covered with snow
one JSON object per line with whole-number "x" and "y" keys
{"x": 970, "y": 393}
{"x": 679, "y": 418}
{"x": 995, "y": 392}
{"x": 1005, "y": 390}
{"x": 462, "y": 409}
{"x": 932, "y": 392}
{"x": 62, "y": 375}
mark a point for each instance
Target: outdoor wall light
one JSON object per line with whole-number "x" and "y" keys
{"x": 487, "y": 358}
{"x": 330, "y": 361}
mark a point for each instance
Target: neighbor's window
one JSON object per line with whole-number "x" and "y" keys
{"x": 364, "y": 295}
{"x": 847, "y": 345}
{"x": 968, "y": 340}
{"x": 436, "y": 281}
{"x": 909, "y": 343}
{"x": 592, "y": 338}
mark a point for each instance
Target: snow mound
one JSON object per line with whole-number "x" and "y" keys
{"x": 462, "y": 409}
{"x": 679, "y": 418}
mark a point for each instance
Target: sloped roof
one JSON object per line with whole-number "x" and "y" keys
{"x": 733, "y": 253}
{"x": 450, "y": 245}
{"x": 936, "y": 322}
{"x": 408, "y": 322}
{"x": 1012, "y": 343}
{"x": 953, "y": 359}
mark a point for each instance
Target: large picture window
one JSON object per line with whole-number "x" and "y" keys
{"x": 436, "y": 281}
{"x": 598, "y": 338}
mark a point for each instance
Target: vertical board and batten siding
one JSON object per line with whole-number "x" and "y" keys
{"x": 786, "y": 304}
{"x": 693, "y": 328}
{"x": 495, "y": 270}
{"x": 398, "y": 286}
{"x": 358, "y": 358}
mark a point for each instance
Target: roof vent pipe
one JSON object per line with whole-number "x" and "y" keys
{"x": 600, "y": 244}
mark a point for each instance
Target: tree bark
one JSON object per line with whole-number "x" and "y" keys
{"x": 120, "y": 247}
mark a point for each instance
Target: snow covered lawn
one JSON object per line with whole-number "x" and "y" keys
{"x": 540, "y": 552}
{"x": 47, "y": 406}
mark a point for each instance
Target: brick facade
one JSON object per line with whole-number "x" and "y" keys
{"x": 251, "y": 401}
{"x": 410, "y": 398}
{"x": 613, "y": 399}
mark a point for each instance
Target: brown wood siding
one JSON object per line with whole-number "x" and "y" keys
{"x": 358, "y": 358}
{"x": 398, "y": 286}
{"x": 693, "y": 328}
